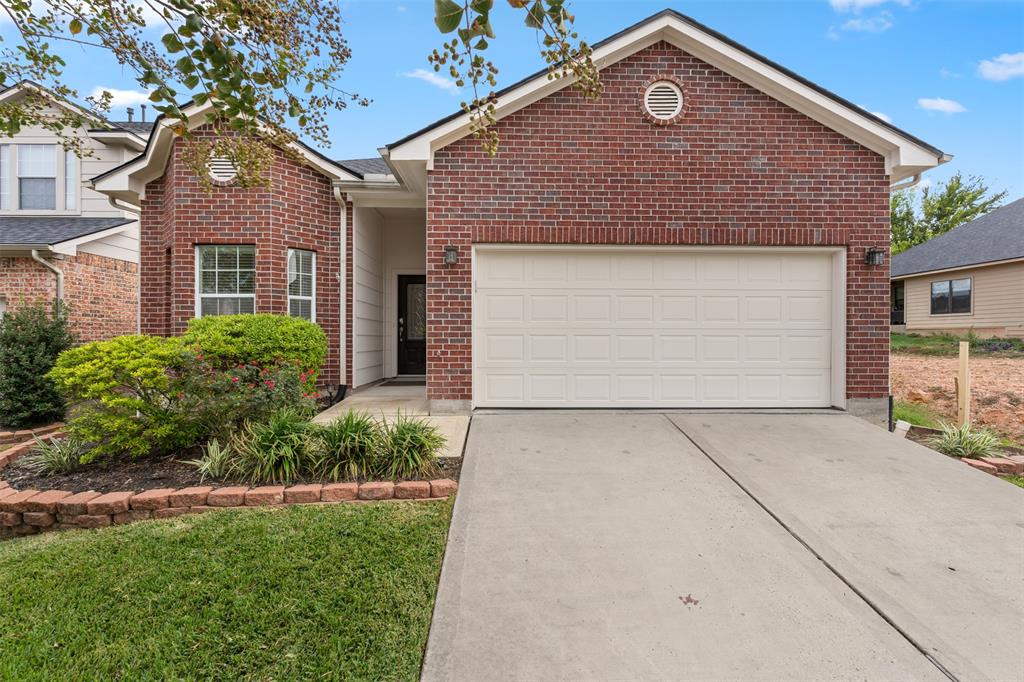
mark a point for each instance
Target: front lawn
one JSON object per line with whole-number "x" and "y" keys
{"x": 916, "y": 414}
{"x": 324, "y": 592}
{"x": 949, "y": 345}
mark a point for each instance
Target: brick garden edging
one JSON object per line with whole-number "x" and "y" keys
{"x": 27, "y": 512}
{"x": 12, "y": 437}
{"x": 1011, "y": 465}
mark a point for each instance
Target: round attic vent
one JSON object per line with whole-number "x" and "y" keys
{"x": 663, "y": 100}
{"x": 221, "y": 169}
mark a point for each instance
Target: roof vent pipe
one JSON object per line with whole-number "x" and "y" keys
{"x": 142, "y": 108}
{"x": 131, "y": 114}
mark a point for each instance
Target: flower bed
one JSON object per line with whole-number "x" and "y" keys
{"x": 27, "y": 512}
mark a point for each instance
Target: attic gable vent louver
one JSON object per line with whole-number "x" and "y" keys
{"x": 221, "y": 169}
{"x": 663, "y": 100}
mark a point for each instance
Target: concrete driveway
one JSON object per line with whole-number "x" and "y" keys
{"x": 622, "y": 546}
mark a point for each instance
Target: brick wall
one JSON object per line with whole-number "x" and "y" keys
{"x": 296, "y": 210}
{"x": 101, "y": 291}
{"x": 738, "y": 168}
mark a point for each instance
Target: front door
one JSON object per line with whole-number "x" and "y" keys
{"x": 412, "y": 324}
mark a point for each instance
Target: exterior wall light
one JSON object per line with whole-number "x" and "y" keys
{"x": 874, "y": 256}
{"x": 451, "y": 255}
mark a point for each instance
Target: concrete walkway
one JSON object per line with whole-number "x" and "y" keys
{"x": 386, "y": 402}
{"x": 935, "y": 545}
{"x": 608, "y": 547}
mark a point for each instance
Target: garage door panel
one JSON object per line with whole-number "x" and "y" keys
{"x": 650, "y": 329}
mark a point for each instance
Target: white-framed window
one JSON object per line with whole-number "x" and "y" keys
{"x": 70, "y": 180}
{"x": 225, "y": 279}
{"x": 951, "y": 297}
{"x": 37, "y": 177}
{"x": 302, "y": 284}
{"x": 5, "y": 177}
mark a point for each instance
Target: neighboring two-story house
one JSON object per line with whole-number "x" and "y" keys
{"x": 60, "y": 239}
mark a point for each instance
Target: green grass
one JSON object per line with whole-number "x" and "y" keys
{"x": 334, "y": 592}
{"x": 1016, "y": 480}
{"x": 915, "y": 413}
{"x": 949, "y": 345}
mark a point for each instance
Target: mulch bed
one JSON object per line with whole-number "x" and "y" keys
{"x": 149, "y": 473}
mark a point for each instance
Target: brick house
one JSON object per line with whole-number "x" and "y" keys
{"x": 59, "y": 238}
{"x": 713, "y": 232}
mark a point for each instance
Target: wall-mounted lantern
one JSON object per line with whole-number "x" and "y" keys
{"x": 451, "y": 255}
{"x": 874, "y": 256}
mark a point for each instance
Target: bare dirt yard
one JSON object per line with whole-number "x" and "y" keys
{"x": 997, "y": 389}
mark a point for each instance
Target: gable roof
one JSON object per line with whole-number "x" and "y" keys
{"x": 905, "y": 154}
{"x": 363, "y": 167}
{"x": 140, "y": 129}
{"x": 36, "y": 231}
{"x": 994, "y": 237}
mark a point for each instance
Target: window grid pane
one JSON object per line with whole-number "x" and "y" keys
{"x": 961, "y": 296}
{"x": 5, "y": 177}
{"x": 37, "y": 160}
{"x": 37, "y": 194}
{"x": 301, "y": 284}
{"x": 227, "y": 280}
{"x": 940, "y": 298}
{"x": 70, "y": 181}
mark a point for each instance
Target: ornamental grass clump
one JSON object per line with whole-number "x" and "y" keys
{"x": 409, "y": 448}
{"x": 346, "y": 448}
{"x": 275, "y": 450}
{"x": 965, "y": 441}
{"x": 58, "y": 455}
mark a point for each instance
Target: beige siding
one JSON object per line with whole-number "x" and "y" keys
{"x": 368, "y": 307}
{"x": 997, "y": 306}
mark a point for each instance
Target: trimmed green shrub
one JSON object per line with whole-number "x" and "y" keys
{"x": 965, "y": 441}
{"x": 274, "y": 451}
{"x": 131, "y": 387}
{"x": 347, "y": 448}
{"x": 263, "y": 339}
{"x": 30, "y": 341}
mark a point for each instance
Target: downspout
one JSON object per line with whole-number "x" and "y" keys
{"x": 137, "y": 212}
{"x": 59, "y": 302}
{"x": 340, "y": 197}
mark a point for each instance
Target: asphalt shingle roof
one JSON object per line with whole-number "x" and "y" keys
{"x": 143, "y": 128}
{"x": 996, "y": 236}
{"x": 31, "y": 230}
{"x": 361, "y": 167}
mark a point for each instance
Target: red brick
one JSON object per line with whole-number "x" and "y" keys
{"x": 411, "y": 490}
{"x": 1004, "y": 465}
{"x": 10, "y": 518}
{"x": 152, "y": 499}
{"x": 980, "y": 466}
{"x": 76, "y": 504}
{"x": 299, "y": 494}
{"x": 169, "y": 512}
{"x": 377, "y": 490}
{"x": 93, "y": 520}
{"x": 189, "y": 497}
{"x": 43, "y": 519}
{"x": 46, "y": 501}
{"x": 6, "y": 492}
{"x": 227, "y": 497}
{"x": 264, "y": 495}
{"x": 109, "y": 503}
{"x": 16, "y": 502}
{"x": 132, "y": 516}
{"x": 443, "y": 487}
{"x": 339, "y": 492}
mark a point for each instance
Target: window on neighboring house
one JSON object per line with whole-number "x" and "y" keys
{"x": 302, "y": 284}
{"x": 951, "y": 296}
{"x": 70, "y": 180}
{"x": 5, "y": 177}
{"x": 225, "y": 280}
{"x": 37, "y": 177}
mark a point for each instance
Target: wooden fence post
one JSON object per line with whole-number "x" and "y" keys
{"x": 963, "y": 386}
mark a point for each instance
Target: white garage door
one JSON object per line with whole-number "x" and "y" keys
{"x": 652, "y": 328}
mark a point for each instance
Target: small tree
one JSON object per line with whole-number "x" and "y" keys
{"x": 949, "y": 205}
{"x": 30, "y": 341}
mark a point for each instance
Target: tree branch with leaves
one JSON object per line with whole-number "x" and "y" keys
{"x": 916, "y": 219}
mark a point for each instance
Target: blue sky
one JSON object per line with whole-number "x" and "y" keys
{"x": 951, "y": 73}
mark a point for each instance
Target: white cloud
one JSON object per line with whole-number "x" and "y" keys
{"x": 1002, "y": 68}
{"x": 876, "y": 24}
{"x": 121, "y": 98}
{"x": 946, "y": 106}
{"x": 946, "y": 73}
{"x": 858, "y": 5}
{"x": 435, "y": 79}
